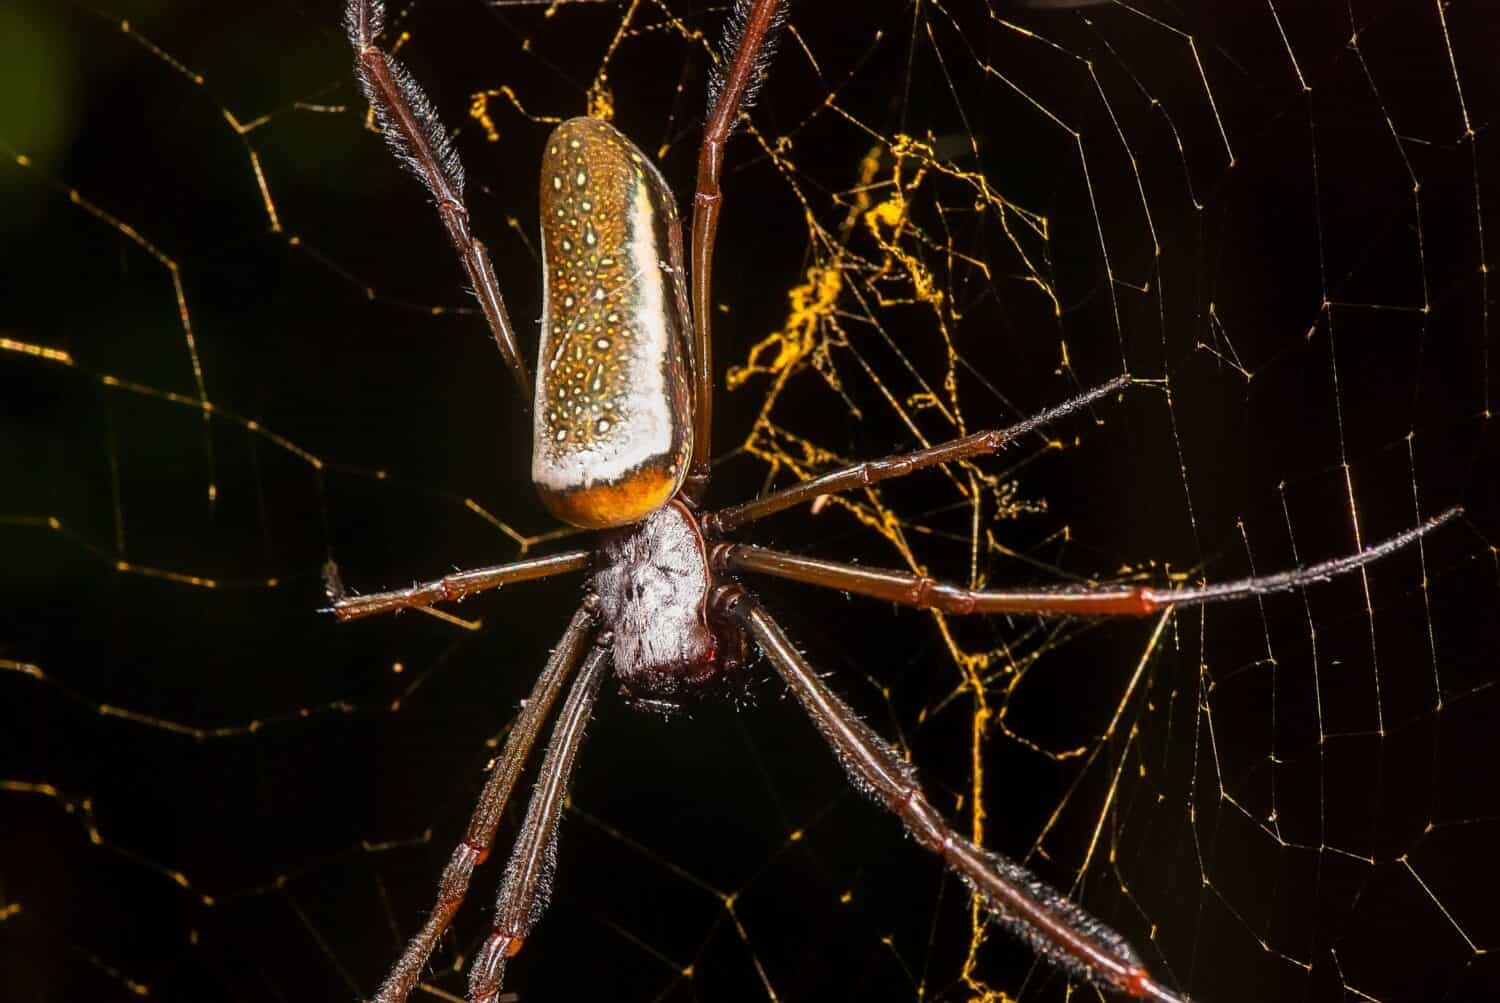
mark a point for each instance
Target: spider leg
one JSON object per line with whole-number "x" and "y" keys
{"x": 749, "y": 43}
{"x": 870, "y": 472}
{"x": 1056, "y": 928}
{"x": 412, "y": 129}
{"x": 528, "y": 876}
{"x": 454, "y": 884}
{"x": 1085, "y": 600}
{"x": 459, "y": 584}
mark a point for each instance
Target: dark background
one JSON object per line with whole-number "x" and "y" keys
{"x": 218, "y": 793}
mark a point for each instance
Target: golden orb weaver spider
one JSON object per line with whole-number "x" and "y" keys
{"x": 622, "y": 418}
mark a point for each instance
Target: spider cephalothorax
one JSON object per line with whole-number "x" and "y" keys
{"x": 623, "y": 399}
{"x": 654, "y": 586}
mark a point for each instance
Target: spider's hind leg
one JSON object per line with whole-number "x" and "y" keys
{"x": 749, "y": 45}
{"x": 411, "y": 127}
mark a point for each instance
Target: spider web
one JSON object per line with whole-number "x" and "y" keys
{"x": 234, "y": 347}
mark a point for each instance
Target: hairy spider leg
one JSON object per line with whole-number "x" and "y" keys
{"x": 459, "y": 584}
{"x": 862, "y": 475}
{"x": 1056, "y": 928}
{"x": 413, "y": 130}
{"x": 749, "y": 45}
{"x": 1083, "y": 600}
{"x": 533, "y": 860}
{"x": 480, "y": 835}
{"x": 466, "y": 583}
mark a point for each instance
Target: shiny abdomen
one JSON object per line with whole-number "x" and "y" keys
{"x": 613, "y": 428}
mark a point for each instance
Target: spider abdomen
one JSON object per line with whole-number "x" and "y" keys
{"x": 613, "y": 421}
{"x": 653, "y": 583}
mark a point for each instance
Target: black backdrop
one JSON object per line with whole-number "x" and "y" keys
{"x": 288, "y": 861}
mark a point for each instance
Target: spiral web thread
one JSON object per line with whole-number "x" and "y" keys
{"x": 1278, "y": 225}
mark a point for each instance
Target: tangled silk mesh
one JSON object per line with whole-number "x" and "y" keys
{"x": 237, "y": 358}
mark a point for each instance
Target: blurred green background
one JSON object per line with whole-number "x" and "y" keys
{"x": 1302, "y": 265}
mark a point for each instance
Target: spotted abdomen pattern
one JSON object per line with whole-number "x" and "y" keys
{"x": 613, "y": 422}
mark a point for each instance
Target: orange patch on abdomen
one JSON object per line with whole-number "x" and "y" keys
{"x": 615, "y": 503}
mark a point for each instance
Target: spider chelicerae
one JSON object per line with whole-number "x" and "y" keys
{"x": 623, "y": 401}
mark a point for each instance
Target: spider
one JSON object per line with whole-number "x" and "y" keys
{"x": 622, "y": 415}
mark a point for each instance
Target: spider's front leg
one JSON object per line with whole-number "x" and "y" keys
{"x": 1056, "y": 928}
{"x": 480, "y": 835}
{"x": 528, "y": 876}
